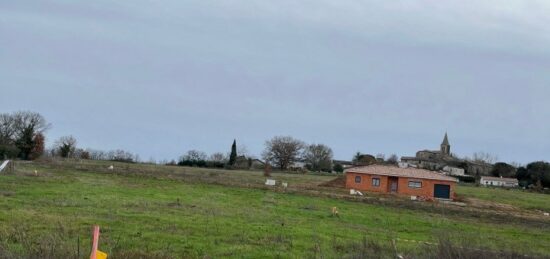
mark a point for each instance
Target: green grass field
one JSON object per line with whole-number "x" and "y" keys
{"x": 146, "y": 215}
{"x": 515, "y": 197}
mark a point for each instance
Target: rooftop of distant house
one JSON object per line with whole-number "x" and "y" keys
{"x": 401, "y": 172}
{"x": 501, "y": 179}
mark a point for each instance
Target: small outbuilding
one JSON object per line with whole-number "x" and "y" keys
{"x": 498, "y": 181}
{"x": 403, "y": 181}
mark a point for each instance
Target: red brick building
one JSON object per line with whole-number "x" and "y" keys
{"x": 403, "y": 181}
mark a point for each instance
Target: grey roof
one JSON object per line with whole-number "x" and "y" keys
{"x": 445, "y": 140}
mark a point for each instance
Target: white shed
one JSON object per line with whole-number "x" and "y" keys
{"x": 498, "y": 181}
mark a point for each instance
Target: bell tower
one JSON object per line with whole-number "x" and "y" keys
{"x": 445, "y": 147}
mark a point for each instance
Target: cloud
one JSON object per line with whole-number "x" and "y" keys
{"x": 375, "y": 76}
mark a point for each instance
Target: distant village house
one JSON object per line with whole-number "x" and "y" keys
{"x": 343, "y": 163}
{"x": 403, "y": 181}
{"x": 498, "y": 181}
{"x": 443, "y": 159}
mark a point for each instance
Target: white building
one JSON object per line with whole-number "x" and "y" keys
{"x": 498, "y": 181}
{"x": 453, "y": 170}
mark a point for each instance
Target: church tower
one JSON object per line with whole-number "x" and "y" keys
{"x": 445, "y": 147}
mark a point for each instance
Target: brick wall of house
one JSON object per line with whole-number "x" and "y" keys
{"x": 366, "y": 182}
{"x": 403, "y": 188}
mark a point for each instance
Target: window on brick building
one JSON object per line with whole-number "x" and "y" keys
{"x": 375, "y": 181}
{"x": 415, "y": 184}
{"x": 358, "y": 179}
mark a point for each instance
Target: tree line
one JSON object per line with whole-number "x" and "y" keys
{"x": 286, "y": 152}
{"x": 283, "y": 152}
{"x": 535, "y": 175}
{"x": 22, "y": 135}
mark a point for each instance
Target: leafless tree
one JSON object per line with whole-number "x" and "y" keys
{"x": 66, "y": 146}
{"x": 218, "y": 157}
{"x": 195, "y": 155}
{"x": 29, "y": 121}
{"x": 113, "y": 155}
{"x": 83, "y": 154}
{"x": 7, "y": 129}
{"x": 393, "y": 159}
{"x": 110, "y": 155}
{"x": 381, "y": 157}
{"x": 122, "y": 156}
{"x": 96, "y": 154}
{"x": 318, "y": 157}
{"x": 484, "y": 157}
{"x": 242, "y": 150}
{"x": 283, "y": 151}
{"x": 516, "y": 164}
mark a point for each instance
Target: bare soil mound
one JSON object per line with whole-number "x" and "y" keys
{"x": 339, "y": 182}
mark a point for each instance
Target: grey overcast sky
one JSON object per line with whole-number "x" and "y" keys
{"x": 161, "y": 77}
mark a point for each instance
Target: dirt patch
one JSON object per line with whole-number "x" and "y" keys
{"x": 484, "y": 204}
{"x": 339, "y": 182}
{"x": 7, "y": 193}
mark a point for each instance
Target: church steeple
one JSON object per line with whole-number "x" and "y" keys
{"x": 445, "y": 146}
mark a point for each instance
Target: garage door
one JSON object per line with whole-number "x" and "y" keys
{"x": 442, "y": 191}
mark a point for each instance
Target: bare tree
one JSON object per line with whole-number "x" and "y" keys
{"x": 66, "y": 146}
{"x": 484, "y": 157}
{"x": 152, "y": 160}
{"x": 516, "y": 164}
{"x": 218, "y": 157}
{"x": 110, "y": 155}
{"x": 393, "y": 159}
{"x": 283, "y": 151}
{"x": 318, "y": 157}
{"x": 7, "y": 129}
{"x": 113, "y": 155}
{"x": 30, "y": 121}
{"x": 97, "y": 154}
{"x": 195, "y": 155}
{"x": 381, "y": 157}
{"x": 242, "y": 150}
{"x": 83, "y": 154}
{"x": 122, "y": 156}
{"x": 7, "y": 136}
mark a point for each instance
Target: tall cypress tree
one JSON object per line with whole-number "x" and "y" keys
{"x": 233, "y": 155}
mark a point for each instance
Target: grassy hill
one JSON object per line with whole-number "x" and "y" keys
{"x": 154, "y": 211}
{"x": 514, "y": 197}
